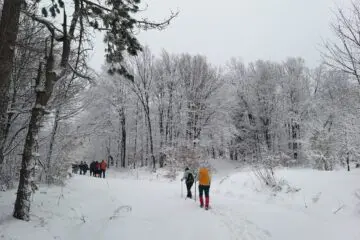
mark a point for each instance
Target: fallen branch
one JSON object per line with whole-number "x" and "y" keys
{"x": 117, "y": 211}
{"x": 222, "y": 180}
{"x": 341, "y": 207}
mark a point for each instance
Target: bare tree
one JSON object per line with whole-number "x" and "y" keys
{"x": 115, "y": 94}
{"x": 144, "y": 72}
{"x": 199, "y": 81}
{"x": 345, "y": 55}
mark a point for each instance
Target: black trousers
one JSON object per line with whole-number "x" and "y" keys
{"x": 97, "y": 173}
{"x": 188, "y": 187}
{"x": 103, "y": 173}
{"x": 204, "y": 189}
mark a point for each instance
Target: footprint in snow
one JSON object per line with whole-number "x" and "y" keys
{"x": 240, "y": 228}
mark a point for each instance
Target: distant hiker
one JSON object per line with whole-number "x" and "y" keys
{"x": 85, "y": 167}
{"x": 82, "y": 168}
{"x": 189, "y": 181}
{"x": 103, "y": 166}
{"x": 92, "y": 168}
{"x": 204, "y": 179}
{"x": 75, "y": 168}
{"x": 97, "y": 169}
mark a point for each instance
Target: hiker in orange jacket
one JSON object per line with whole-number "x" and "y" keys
{"x": 103, "y": 166}
{"x": 204, "y": 179}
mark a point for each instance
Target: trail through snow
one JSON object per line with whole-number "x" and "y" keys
{"x": 130, "y": 207}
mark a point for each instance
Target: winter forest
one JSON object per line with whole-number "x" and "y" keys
{"x": 162, "y": 111}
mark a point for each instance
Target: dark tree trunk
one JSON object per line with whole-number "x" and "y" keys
{"x": 118, "y": 158}
{"x": 108, "y": 152}
{"x": 147, "y": 142}
{"x": 43, "y": 93}
{"x": 150, "y": 138}
{"x": 168, "y": 132}
{"x": 288, "y": 126}
{"x": 161, "y": 127}
{"x": 190, "y": 122}
{"x": 136, "y": 133}
{"x": 123, "y": 138}
{"x": 294, "y": 130}
{"x": 22, "y": 203}
{"x": 9, "y": 27}
{"x": 44, "y": 90}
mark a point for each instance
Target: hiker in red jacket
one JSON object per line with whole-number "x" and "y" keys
{"x": 103, "y": 166}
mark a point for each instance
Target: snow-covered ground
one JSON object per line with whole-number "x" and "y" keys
{"x": 135, "y": 205}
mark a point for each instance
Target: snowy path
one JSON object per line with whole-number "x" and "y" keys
{"x": 125, "y": 208}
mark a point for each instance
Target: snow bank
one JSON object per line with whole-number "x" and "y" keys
{"x": 327, "y": 206}
{"x": 145, "y": 205}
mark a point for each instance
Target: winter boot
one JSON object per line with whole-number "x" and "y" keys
{"x": 201, "y": 201}
{"x": 207, "y": 203}
{"x": 189, "y": 195}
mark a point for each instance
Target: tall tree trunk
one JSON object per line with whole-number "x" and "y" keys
{"x": 22, "y": 203}
{"x": 288, "y": 126}
{"x": 9, "y": 27}
{"x": 44, "y": 90}
{"x": 150, "y": 138}
{"x": 294, "y": 130}
{"x": 136, "y": 132}
{"x": 189, "y": 123}
{"x": 147, "y": 140}
{"x": 43, "y": 93}
{"x": 161, "y": 128}
{"x": 108, "y": 152}
{"x": 168, "y": 132}
{"x": 123, "y": 137}
{"x": 118, "y": 155}
{"x": 51, "y": 145}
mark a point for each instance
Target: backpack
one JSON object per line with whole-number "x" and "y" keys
{"x": 204, "y": 177}
{"x": 190, "y": 178}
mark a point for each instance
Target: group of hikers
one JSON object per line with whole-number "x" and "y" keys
{"x": 204, "y": 178}
{"x": 97, "y": 169}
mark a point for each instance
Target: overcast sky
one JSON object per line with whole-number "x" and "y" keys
{"x": 249, "y": 29}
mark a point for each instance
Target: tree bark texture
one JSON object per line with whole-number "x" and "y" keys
{"x": 9, "y": 27}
